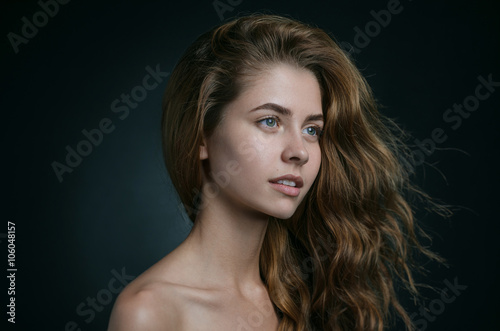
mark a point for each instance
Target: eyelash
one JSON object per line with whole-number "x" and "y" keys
{"x": 319, "y": 131}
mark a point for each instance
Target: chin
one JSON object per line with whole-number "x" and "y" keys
{"x": 283, "y": 211}
{"x": 283, "y": 216}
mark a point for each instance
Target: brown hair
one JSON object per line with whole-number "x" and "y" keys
{"x": 333, "y": 265}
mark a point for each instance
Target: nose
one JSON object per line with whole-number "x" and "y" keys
{"x": 295, "y": 149}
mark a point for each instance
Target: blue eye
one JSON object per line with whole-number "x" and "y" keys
{"x": 312, "y": 131}
{"x": 270, "y": 122}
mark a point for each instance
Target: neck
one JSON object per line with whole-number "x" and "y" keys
{"x": 225, "y": 244}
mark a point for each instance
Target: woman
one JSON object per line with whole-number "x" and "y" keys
{"x": 295, "y": 186}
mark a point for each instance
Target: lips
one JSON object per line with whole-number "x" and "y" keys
{"x": 290, "y": 178}
{"x": 287, "y": 184}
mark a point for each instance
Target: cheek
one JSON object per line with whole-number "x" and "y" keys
{"x": 314, "y": 161}
{"x": 240, "y": 149}
{"x": 253, "y": 149}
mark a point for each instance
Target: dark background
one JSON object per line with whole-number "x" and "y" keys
{"x": 117, "y": 212}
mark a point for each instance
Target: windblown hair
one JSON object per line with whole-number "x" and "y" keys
{"x": 334, "y": 264}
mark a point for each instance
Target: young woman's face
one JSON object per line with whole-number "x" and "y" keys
{"x": 265, "y": 154}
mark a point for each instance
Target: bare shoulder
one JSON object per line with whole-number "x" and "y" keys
{"x": 152, "y": 301}
{"x": 145, "y": 307}
{"x": 164, "y": 298}
{"x": 157, "y": 300}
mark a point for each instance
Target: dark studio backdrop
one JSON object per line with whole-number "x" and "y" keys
{"x": 109, "y": 211}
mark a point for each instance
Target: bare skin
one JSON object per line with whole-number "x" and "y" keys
{"x": 212, "y": 280}
{"x": 172, "y": 296}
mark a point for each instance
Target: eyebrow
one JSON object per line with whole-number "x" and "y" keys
{"x": 286, "y": 112}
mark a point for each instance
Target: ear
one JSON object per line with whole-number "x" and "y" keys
{"x": 203, "y": 150}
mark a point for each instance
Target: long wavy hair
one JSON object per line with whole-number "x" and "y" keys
{"x": 334, "y": 264}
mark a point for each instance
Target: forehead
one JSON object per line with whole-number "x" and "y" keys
{"x": 294, "y": 88}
